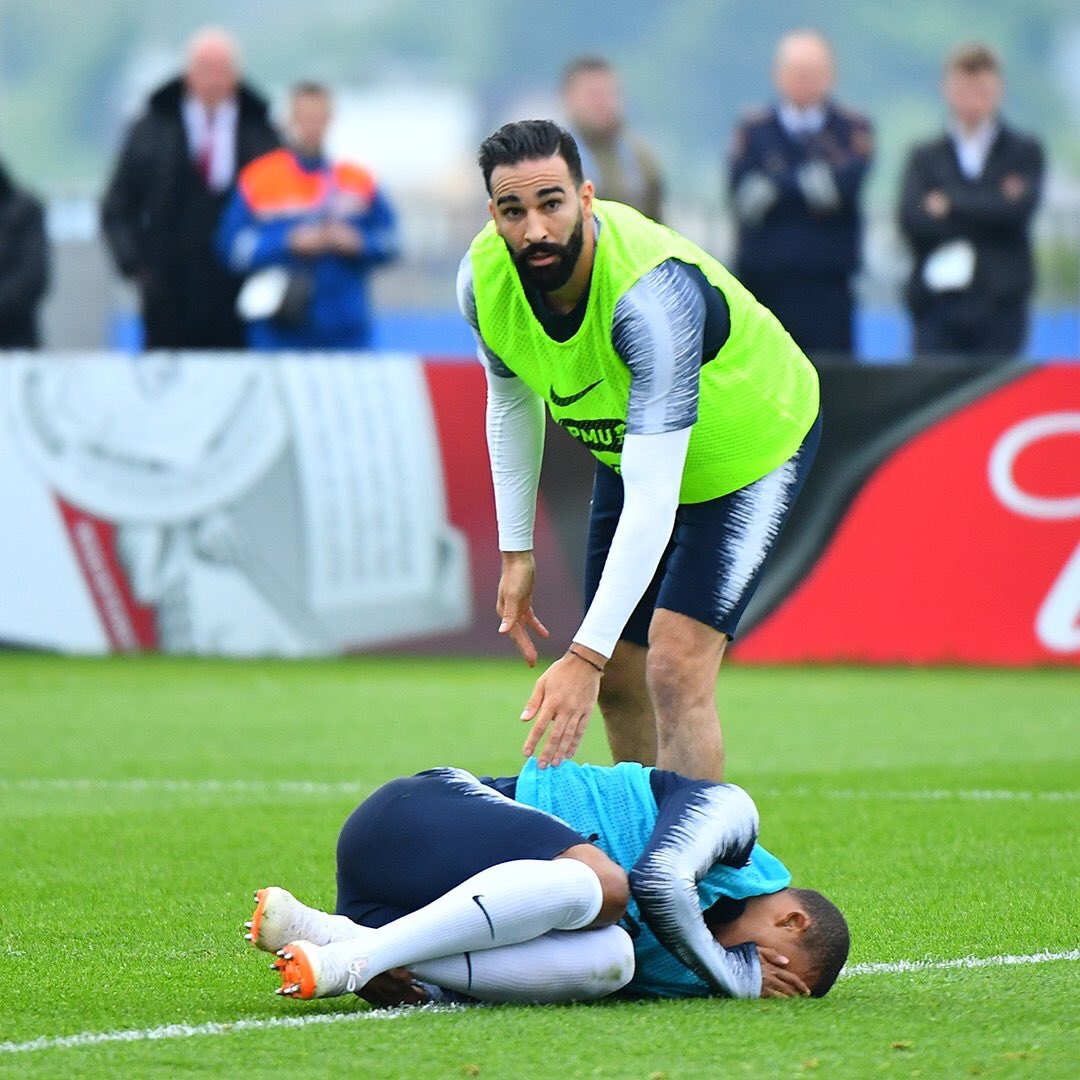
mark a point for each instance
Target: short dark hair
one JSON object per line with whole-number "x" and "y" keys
{"x": 584, "y": 65}
{"x": 309, "y": 88}
{"x": 529, "y": 140}
{"x": 973, "y": 58}
{"x": 826, "y": 940}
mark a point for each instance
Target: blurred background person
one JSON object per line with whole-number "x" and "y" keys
{"x": 171, "y": 182}
{"x": 308, "y": 232}
{"x": 24, "y": 265}
{"x": 621, "y": 166}
{"x": 966, "y": 206}
{"x": 795, "y": 174}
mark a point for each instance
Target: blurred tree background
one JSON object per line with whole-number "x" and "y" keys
{"x": 70, "y": 72}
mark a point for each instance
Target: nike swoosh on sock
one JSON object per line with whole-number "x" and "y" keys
{"x": 491, "y": 925}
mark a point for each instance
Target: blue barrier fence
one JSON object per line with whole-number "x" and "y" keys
{"x": 882, "y": 335}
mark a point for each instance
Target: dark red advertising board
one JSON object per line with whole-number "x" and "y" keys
{"x": 941, "y": 524}
{"x": 963, "y": 545}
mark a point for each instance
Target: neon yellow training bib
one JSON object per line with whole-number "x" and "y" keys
{"x": 757, "y": 397}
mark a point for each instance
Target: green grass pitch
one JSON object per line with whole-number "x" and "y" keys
{"x": 142, "y": 800}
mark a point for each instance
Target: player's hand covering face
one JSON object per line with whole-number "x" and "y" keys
{"x": 769, "y": 923}
{"x": 777, "y": 978}
{"x": 540, "y": 216}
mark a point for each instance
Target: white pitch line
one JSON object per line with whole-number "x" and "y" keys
{"x": 187, "y": 1031}
{"x": 322, "y": 788}
{"x": 897, "y": 967}
{"x": 226, "y": 1027}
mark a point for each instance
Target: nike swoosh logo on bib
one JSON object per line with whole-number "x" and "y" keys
{"x": 562, "y": 402}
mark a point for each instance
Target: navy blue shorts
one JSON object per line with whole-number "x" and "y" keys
{"x": 417, "y": 837}
{"x": 714, "y": 560}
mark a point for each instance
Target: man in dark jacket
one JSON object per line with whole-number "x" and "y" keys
{"x": 796, "y": 170}
{"x": 966, "y": 207}
{"x": 24, "y": 265}
{"x": 173, "y": 178}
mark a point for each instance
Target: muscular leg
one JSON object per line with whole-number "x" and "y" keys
{"x": 558, "y": 966}
{"x": 718, "y": 551}
{"x": 681, "y": 668}
{"x": 626, "y": 706}
{"x": 505, "y": 904}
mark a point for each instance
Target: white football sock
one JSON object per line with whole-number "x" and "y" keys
{"x": 503, "y": 905}
{"x": 551, "y": 969}
{"x": 322, "y": 928}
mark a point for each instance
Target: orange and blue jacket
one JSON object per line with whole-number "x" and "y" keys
{"x": 282, "y": 190}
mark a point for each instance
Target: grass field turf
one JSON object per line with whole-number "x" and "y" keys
{"x": 938, "y": 808}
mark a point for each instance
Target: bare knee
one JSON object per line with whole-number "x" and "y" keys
{"x": 678, "y": 679}
{"x": 613, "y": 882}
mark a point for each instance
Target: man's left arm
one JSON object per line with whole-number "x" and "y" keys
{"x": 700, "y": 825}
{"x": 659, "y": 331}
{"x": 564, "y": 697}
{"x": 653, "y": 203}
{"x": 852, "y": 157}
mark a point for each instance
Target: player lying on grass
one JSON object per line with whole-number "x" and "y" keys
{"x": 561, "y": 884}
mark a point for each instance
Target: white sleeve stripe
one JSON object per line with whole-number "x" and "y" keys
{"x": 658, "y": 330}
{"x": 718, "y": 821}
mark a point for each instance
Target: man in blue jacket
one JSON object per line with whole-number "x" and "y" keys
{"x": 318, "y": 227}
{"x": 796, "y": 171}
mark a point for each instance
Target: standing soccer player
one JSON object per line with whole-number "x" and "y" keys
{"x": 702, "y": 414}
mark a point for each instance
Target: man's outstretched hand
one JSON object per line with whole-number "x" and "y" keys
{"x": 777, "y": 980}
{"x": 562, "y": 703}
{"x": 514, "y": 603}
